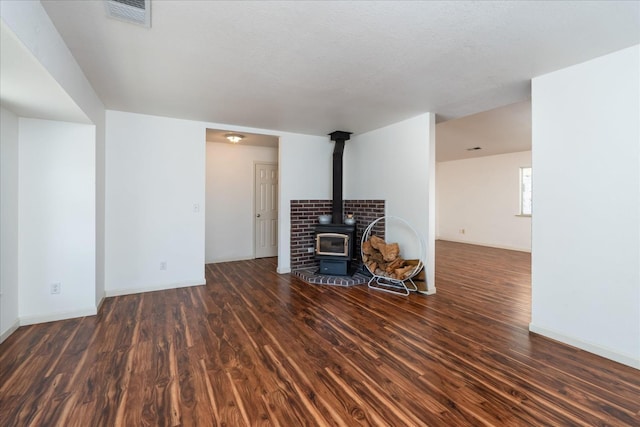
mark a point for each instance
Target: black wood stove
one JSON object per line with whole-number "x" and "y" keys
{"x": 334, "y": 248}
{"x": 335, "y": 242}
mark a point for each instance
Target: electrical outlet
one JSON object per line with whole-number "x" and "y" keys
{"x": 56, "y": 288}
{"x": 462, "y": 231}
{"x": 163, "y": 265}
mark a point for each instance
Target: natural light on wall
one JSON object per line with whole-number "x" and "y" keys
{"x": 525, "y": 191}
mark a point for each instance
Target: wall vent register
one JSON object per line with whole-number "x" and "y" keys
{"x": 133, "y": 11}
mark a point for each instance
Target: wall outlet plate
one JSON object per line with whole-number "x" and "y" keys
{"x": 56, "y": 288}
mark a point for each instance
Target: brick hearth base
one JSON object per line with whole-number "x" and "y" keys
{"x": 309, "y": 275}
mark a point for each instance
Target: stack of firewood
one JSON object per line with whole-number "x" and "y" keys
{"x": 383, "y": 259}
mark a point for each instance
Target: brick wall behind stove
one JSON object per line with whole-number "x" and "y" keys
{"x": 365, "y": 211}
{"x": 304, "y": 216}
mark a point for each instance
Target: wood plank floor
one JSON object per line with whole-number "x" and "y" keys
{"x": 256, "y": 348}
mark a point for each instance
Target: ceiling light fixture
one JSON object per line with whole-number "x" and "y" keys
{"x": 234, "y": 137}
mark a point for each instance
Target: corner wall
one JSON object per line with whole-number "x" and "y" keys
{"x": 482, "y": 197}
{"x": 305, "y": 164}
{"x": 397, "y": 164}
{"x": 9, "y": 316}
{"x": 586, "y": 233}
{"x": 31, "y": 24}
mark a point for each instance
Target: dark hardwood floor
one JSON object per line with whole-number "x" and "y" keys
{"x": 256, "y": 348}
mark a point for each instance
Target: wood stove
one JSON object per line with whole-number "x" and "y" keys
{"x": 335, "y": 242}
{"x": 332, "y": 244}
{"x": 335, "y": 248}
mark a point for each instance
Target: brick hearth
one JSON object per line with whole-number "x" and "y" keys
{"x": 309, "y": 275}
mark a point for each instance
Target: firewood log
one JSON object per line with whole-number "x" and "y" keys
{"x": 376, "y": 242}
{"x": 367, "y": 248}
{"x": 390, "y": 251}
{"x": 404, "y": 272}
{"x": 395, "y": 264}
{"x": 377, "y": 257}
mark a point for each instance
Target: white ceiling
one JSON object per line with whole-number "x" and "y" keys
{"x": 314, "y": 67}
{"x": 501, "y": 130}
{"x": 220, "y": 135}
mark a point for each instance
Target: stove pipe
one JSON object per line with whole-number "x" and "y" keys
{"x": 339, "y": 137}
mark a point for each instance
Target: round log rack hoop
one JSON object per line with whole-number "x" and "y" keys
{"x": 387, "y": 284}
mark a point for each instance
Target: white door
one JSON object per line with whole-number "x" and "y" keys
{"x": 266, "y": 210}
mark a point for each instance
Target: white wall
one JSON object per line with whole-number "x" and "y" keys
{"x": 100, "y": 180}
{"x": 8, "y": 223}
{"x": 229, "y": 221}
{"x": 397, "y": 164}
{"x": 155, "y": 174}
{"x": 305, "y": 172}
{"x": 482, "y": 196}
{"x": 31, "y": 24}
{"x": 57, "y": 219}
{"x": 586, "y": 228}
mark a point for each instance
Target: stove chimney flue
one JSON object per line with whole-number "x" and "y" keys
{"x": 339, "y": 137}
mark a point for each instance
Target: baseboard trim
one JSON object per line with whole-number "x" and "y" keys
{"x": 99, "y": 306}
{"x": 131, "y": 291}
{"x": 218, "y": 260}
{"x": 52, "y": 317}
{"x": 510, "y": 248}
{"x": 633, "y": 362}
{"x": 14, "y": 327}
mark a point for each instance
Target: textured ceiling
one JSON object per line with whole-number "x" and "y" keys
{"x": 314, "y": 67}
{"x": 501, "y": 130}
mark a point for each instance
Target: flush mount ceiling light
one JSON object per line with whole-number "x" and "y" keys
{"x": 234, "y": 137}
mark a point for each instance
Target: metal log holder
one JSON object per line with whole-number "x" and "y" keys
{"x": 387, "y": 284}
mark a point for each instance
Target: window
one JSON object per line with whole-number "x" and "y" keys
{"x": 525, "y": 191}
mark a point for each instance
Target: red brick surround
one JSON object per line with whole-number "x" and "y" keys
{"x": 304, "y": 215}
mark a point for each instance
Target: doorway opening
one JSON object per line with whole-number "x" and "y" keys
{"x": 233, "y": 197}
{"x": 483, "y": 184}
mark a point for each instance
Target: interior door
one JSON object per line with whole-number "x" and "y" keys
{"x": 266, "y": 210}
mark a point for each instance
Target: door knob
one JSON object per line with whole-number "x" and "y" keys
{"x": 258, "y": 216}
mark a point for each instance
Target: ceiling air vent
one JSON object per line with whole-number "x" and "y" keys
{"x": 134, "y": 11}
